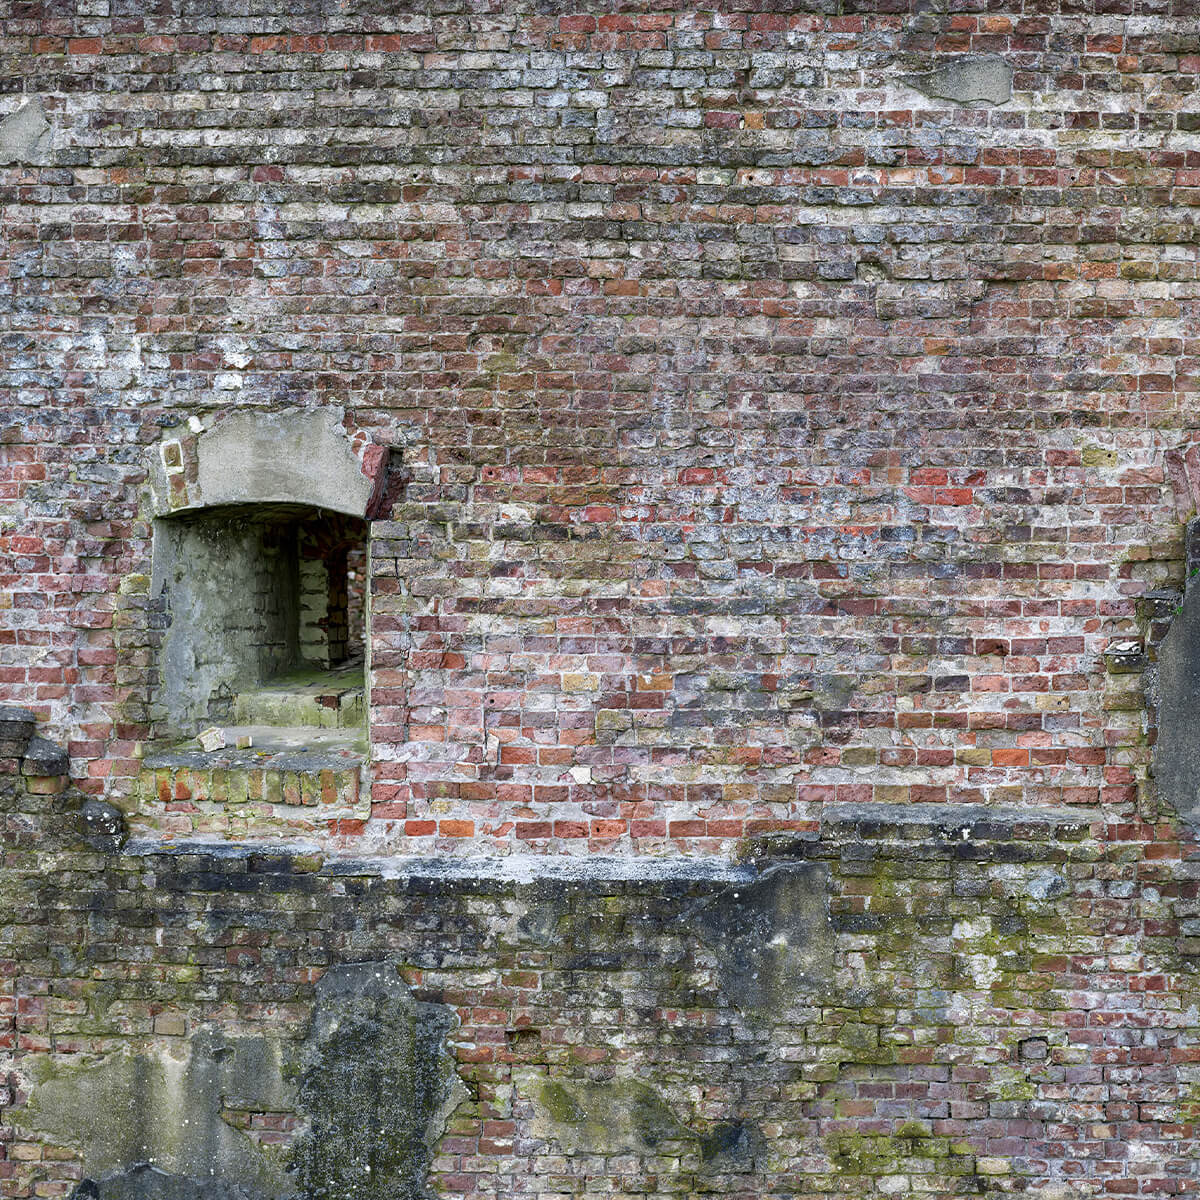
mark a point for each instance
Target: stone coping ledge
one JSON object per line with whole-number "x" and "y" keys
{"x": 948, "y": 826}
{"x": 511, "y": 868}
{"x": 993, "y": 822}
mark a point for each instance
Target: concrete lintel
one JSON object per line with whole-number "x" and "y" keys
{"x": 511, "y": 868}
{"x": 299, "y": 456}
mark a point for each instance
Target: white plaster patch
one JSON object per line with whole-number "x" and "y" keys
{"x": 983, "y": 968}
{"x": 969, "y": 930}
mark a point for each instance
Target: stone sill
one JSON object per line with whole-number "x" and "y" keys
{"x": 275, "y": 747}
{"x": 297, "y": 767}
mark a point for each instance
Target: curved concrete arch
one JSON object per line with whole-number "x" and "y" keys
{"x": 301, "y": 456}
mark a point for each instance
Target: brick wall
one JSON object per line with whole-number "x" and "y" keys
{"x": 924, "y": 1000}
{"x": 775, "y": 429}
{"x": 792, "y": 411}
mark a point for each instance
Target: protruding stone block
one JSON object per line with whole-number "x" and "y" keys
{"x": 43, "y": 758}
{"x": 16, "y": 728}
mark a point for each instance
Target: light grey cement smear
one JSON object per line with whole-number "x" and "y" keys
{"x": 164, "y": 1106}
{"x": 24, "y": 134}
{"x": 950, "y": 822}
{"x": 984, "y": 78}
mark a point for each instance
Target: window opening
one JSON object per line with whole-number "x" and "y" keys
{"x": 264, "y": 613}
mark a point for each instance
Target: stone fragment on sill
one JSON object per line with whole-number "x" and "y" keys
{"x": 1125, "y": 659}
{"x": 211, "y": 739}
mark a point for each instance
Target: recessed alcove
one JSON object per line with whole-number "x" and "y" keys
{"x": 263, "y": 620}
{"x": 259, "y": 611}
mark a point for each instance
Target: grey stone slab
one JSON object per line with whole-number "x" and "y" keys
{"x": 969, "y": 79}
{"x": 24, "y": 134}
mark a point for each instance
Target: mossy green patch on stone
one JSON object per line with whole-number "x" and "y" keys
{"x": 376, "y": 1086}
{"x": 910, "y": 1150}
{"x": 1098, "y": 456}
{"x": 1010, "y": 1084}
{"x": 615, "y": 1116}
{"x": 560, "y": 1105}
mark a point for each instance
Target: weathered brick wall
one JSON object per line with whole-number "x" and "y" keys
{"x": 792, "y": 411}
{"x": 936, "y": 1002}
{"x": 774, "y": 431}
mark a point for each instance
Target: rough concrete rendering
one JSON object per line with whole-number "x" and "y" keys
{"x": 598, "y": 600}
{"x": 24, "y": 133}
{"x": 155, "y": 1107}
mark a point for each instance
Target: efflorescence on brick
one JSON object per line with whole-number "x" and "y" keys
{"x": 774, "y": 429}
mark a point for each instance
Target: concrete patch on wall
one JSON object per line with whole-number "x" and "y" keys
{"x": 24, "y": 134}
{"x": 984, "y": 78}
{"x": 614, "y": 1116}
{"x": 1175, "y": 689}
{"x": 165, "y": 1108}
{"x": 375, "y": 1088}
{"x": 377, "y": 1085}
{"x": 772, "y": 937}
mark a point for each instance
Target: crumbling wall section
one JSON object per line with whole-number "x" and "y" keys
{"x": 950, "y": 1001}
